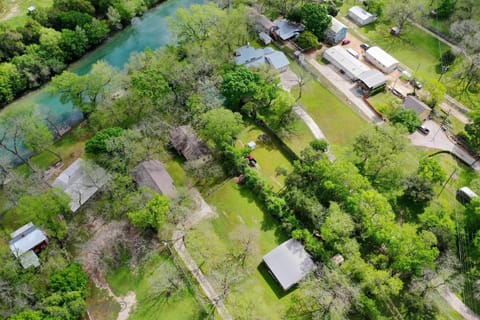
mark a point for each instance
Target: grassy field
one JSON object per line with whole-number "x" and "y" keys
{"x": 182, "y": 305}
{"x": 299, "y": 137}
{"x": 15, "y": 12}
{"x": 257, "y": 296}
{"x": 385, "y": 102}
{"x": 268, "y": 156}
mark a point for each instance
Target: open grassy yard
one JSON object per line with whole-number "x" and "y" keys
{"x": 15, "y": 13}
{"x": 268, "y": 156}
{"x": 257, "y": 295}
{"x": 385, "y": 102}
{"x": 299, "y": 137}
{"x": 339, "y": 122}
{"x": 143, "y": 281}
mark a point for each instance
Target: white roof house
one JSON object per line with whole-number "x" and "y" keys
{"x": 381, "y": 59}
{"x": 81, "y": 181}
{"x": 289, "y": 263}
{"x": 25, "y": 241}
{"x": 344, "y": 61}
{"x": 251, "y": 57}
{"x": 360, "y": 16}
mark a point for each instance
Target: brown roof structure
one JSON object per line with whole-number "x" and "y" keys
{"x": 186, "y": 142}
{"x": 420, "y": 108}
{"x": 152, "y": 174}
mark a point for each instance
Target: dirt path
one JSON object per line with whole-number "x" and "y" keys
{"x": 457, "y": 304}
{"x": 314, "y": 128}
{"x": 203, "y": 211}
{"x": 14, "y": 11}
{"x": 104, "y": 237}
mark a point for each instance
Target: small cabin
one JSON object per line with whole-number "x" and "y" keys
{"x": 26, "y": 243}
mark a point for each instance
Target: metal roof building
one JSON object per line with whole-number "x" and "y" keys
{"x": 381, "y": 59}
{"x": 420, "y": 108}
{"x": 152, "y": 174}
{"x": 286, "y": 30}
{"x": 344, "y": 61}
{"x": 81, "y": 181}
{"x": 251, "y": 57}
{"x": 336, "y": 32}
{"x": 25, "y": 241}
{"x": 372, "y": 79}
{"x": 289, "y": 263}
{"x": 360, "y": 16}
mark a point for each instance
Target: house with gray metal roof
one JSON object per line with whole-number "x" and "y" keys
{"x": 422, "y": 110}
{"x": 336, "y": 32}
{"x": 289, "y": 263}
{"x": 152, "y": 174}
{"x": 81, "y": 180}
{"x": 251, "y": 57}
{"x": 26, "y": 243}
{"x": 286, "y": 30}
{"x": 372, "y": 79}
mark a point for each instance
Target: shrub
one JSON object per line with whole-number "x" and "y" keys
{"x": 98, "y": 143}
{"x": 307, "y": 40}
{"x": 406, "y": 118}
{"x": 319, "y": 145}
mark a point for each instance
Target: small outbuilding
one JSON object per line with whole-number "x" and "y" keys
{"x": 348, "y": 65}
{"x": 265, "y": 38}
{"x": 465, "y": 195}
{"x": 31, "y": 9}
{"x": 336, "y": 32}
{"x": 372, "y": 80}
{"x": 422, "y": 110}
{"x": 152, "y": 174}
{"x": 360, "y": 16}
{"x": 81, "y": 180}
{"x": 286, "y": 30}
{"x": 186, "y": 142}
{"x": 289, "y": 263}
{"x": 26, "y": 243}
{"x": 380, "y": 59}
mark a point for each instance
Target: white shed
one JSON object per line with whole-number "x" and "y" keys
{"x": 344, "y": 61}
{"x": 382, "y": 60}
{"x": 360, "y": 16}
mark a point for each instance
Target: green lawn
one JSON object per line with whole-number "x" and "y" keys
{"x": 268, "y": 156}
{"x": 299, "y": 137}
{"x": 385, "y": 102}
{"x": 257, "y": 296}
{"x": 182, "y": 305}
{"x": 338, "y": 122}
{"x": 16, "y": 11}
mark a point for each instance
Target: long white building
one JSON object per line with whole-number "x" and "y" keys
{"x": 381, "y": 59}
{"x": 344, "y": 61}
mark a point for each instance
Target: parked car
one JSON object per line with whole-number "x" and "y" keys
{"x": 416, "y": 84}
{"x": 364, "y": 46}
{"x": 423, "y": 130}
{"x": 345, "y": 41}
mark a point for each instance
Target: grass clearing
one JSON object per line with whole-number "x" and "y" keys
{"x": 268, "y": 156}
{"x": 181, "y": 305}
{"x": 257, "y": 296}
{"x": 16, "y": 11}
{"x": 385, "y": 102}
{"x": 100, "y": 305}
{"x": 299, "y": 137}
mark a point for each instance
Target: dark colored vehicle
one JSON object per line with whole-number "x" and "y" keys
{"x": 364, "y": 46}
{"x": 416, "y": 84}
{"x": 345, "y": 41}
{"x": 423, "y": 130}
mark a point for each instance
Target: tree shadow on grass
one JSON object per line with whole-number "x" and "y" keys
{"x": 272, "y": 283}
{"x": 268, "y": 222}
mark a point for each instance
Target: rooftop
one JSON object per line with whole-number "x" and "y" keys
{"x": 251, "y": 57}
{"x": 372, "y": 78}
{"x": 81, "y": 180}
{"x": 25, "y": 238}
{"x": 152, "y": 174}
{"x": 360, "y": 12}
{"x": 289, "y": 263}
{"x": 381, "y": 56}
{"x": 346, "y": 60}
{"x": 186, "y": 142}
{"x": 337, "y": 26}
{"x": 286, "y": 29}
{"x": 413, "y": 103}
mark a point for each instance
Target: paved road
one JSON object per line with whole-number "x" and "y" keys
{"x": 438, "y": 139}
{"x": 203, "y": 211}
{"x": 347, "y": 87}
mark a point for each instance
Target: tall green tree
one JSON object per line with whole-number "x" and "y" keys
{"x": 153, "y": 215}
{"x": 315, "y": 18}
{"x": 221, "y": 125}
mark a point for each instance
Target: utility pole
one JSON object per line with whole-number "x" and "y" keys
{"x": 446, "y": 182}
{"x": 444, "y": 121}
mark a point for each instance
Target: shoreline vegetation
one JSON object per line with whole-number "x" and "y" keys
{"x": 53, "y": 39}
